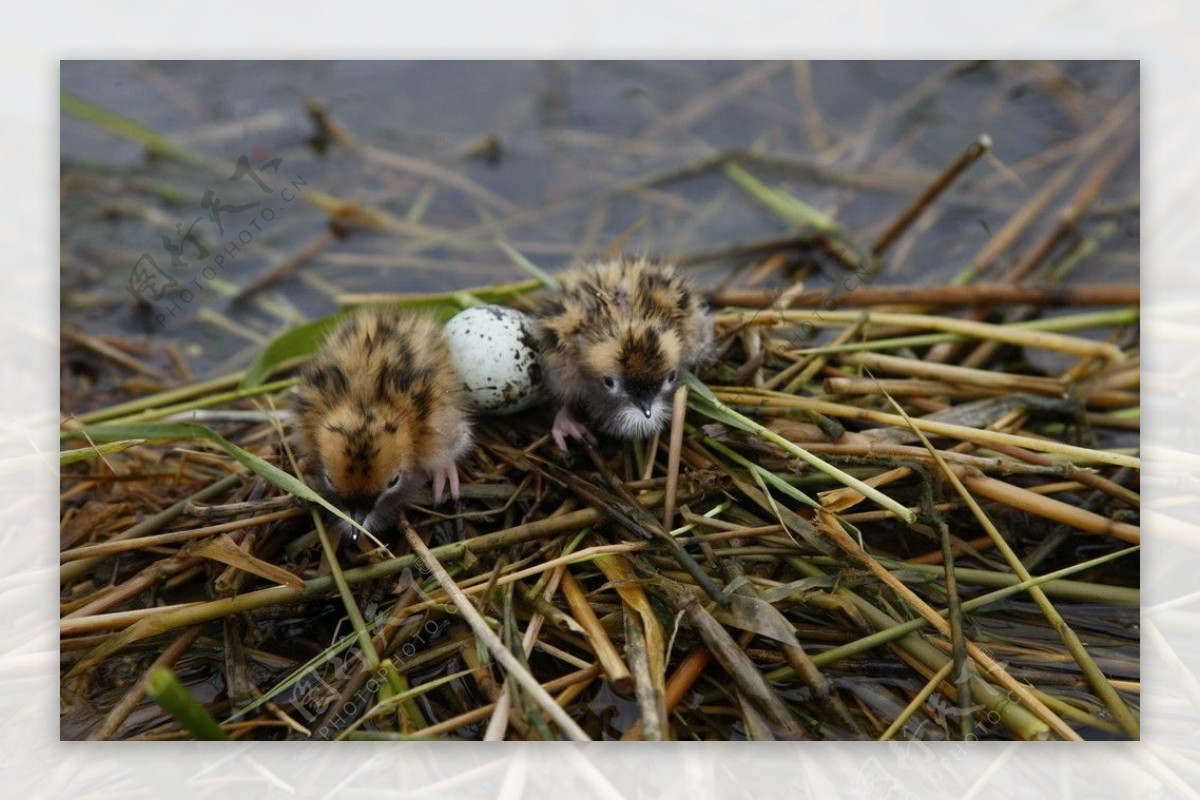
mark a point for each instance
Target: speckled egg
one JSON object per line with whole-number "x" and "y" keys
{"x": 494, "y": 350}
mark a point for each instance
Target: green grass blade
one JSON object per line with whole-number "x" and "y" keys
{"x": 164, "y": 687}
{"x": 79, "y": 454}
{"x": 547, "y": 280}
{"x": 299, "y": 341}
{"x": 124, "y": 127}
{"x": 786, "y": 206}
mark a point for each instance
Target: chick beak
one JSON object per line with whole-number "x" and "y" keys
{"x": 360, "y": 509}
{"x": 644, "y": 400}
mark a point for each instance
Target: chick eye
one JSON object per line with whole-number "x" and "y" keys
{"x": 610, "y": 382}
{"x": 671, "y": 376}
{"x": 394, "y": 481}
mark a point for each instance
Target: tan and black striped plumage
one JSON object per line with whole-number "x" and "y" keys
{"x": 379, "y": 404}
{"x": 614, "y": 341}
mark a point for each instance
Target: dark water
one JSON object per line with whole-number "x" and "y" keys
{"x": 564, "y": 137}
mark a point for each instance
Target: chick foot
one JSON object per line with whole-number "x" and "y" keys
{"x": 441, "y": 476}
{"x": 566, "y": 424}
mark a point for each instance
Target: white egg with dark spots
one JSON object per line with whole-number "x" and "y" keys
{"x": 494, "y": 350}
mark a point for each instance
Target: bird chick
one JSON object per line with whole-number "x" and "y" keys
{"x": 614, "y": 341}
{"x": 378, "y": 406}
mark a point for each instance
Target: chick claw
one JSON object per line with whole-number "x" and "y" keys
{"x": 442, "y": 476}
{"x": 566, "y": 425}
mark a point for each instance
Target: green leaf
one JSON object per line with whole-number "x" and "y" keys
{"x": 299, "y": 341}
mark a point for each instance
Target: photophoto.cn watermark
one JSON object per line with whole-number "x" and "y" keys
{"x": 921, "y": 768}
{"x": 151, "y": 283}
{"x": 313, "y": 696}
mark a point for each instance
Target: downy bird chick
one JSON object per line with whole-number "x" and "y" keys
{"x": 614, "y": 341}
{"x": 378, "y": 407}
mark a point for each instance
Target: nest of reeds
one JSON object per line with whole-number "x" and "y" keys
{"x": 856, "y": 540}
